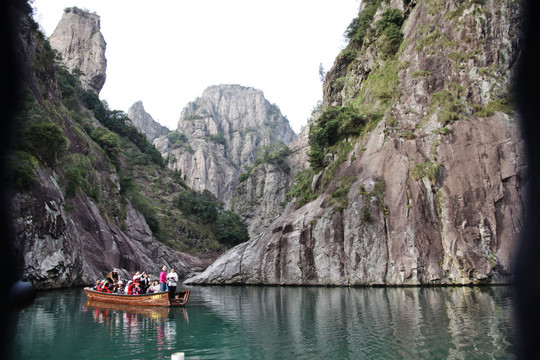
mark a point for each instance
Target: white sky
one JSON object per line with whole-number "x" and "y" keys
{"x": 166, "y": 52}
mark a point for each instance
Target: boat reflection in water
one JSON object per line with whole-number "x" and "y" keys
{"x": 133, "y": 323}
{"x": 151, "y": 312}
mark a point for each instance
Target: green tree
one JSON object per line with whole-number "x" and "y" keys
{"x": 202, "y": 206}
{"x": 334, "y": 124}
{"x": 177, "y": 138}
{"x": 108, "y": 141}
{"x": 390, "y": 27}
{"x": 358, "y": 28}
{"x": 230, "y": 229}
{"x": 391, "y": 17}
{"x": 75, "y": 179}
{"x": 47, "y": 142}
{"x": 22, "y": 168}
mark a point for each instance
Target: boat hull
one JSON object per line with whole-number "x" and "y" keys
{"x": 154, "y": 299}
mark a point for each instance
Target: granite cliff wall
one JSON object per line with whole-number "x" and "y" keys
{"x": 64, "y": 236}
{"x": 431, "y": 190}
{"x": 221, "y": 134}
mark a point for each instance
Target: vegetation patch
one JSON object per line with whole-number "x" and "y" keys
{"x": 334, "y": 125}
{"x": 147, "y": 209}
{"x": 118, "y": 122}
{"x": 47, "y": 142}
{"x": 428, "y": 169}
{"x": 360, "y": 26}
{"x": 376, "y": 193}
{"x": 342, "y": 150}
{"x": 109, "y": 142}
{"x": 505, "y": 105}
{"x": 301, "y": 187}
{"x": 449, "y": 103}
{"x": 389, "y": 26}
{"x": 177, "y": 138}
{"x": 339, "y": 195}
{"x": 275, "y": 154}
{"x": 421, "y": 73}
{"x": 22, "y": 168}
{"x": 193, "y": 116}
{"x": 443, "y": 131}
{"x": 379, "y": 89}
{"x": 76, "y": 176}
{"x": 218, "y": 138}
{"x": 228, "y": 227}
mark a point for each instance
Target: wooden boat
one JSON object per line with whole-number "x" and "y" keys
{"x": 153, "y": 299}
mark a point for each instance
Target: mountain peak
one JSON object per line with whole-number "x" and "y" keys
{"x": 79, "y": 41}
{"x": 145, "y": 123}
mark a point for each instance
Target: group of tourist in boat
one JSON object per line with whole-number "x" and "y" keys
{"x": 140, "y": 283}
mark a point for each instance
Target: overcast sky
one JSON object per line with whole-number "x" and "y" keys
{"x": 166, "y": 52}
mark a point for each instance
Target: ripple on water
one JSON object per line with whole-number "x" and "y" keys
{"x": 278, "y": 323}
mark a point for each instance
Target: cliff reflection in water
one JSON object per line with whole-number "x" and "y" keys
{"x": 371, "y": 322}
{"x": 241, "y": 322}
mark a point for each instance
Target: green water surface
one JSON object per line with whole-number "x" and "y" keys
{"x": 222, "y": 322}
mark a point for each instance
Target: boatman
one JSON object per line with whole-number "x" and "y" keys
{"x": 172, "y": 277}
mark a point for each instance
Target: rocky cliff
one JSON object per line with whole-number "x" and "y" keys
{"x": 69, "y": 241}
{"x": 219, "y": 134}
{"x": 262, "y": 197}
{"x": 81, "y": 45}
{"x": 71, "y": 214}
{"x": 145, "y": 123}
{"x": 417, "y": 169}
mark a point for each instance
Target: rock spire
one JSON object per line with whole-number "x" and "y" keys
{"x": 79, "y": 41}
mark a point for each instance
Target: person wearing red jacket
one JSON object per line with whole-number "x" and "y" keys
{"x": 133, "y": 288}
{"x": 100, "y": 286}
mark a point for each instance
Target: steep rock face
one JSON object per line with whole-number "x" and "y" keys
{"x": 222, "y": 131}
{"x": 145, "y": 123}
{"x": 62, "y": 247}
{"x": 437, "y": 187}
{"x": 64, "y": 240}
{"x": 79, "y": 41}
{"x": 262, "y": 197}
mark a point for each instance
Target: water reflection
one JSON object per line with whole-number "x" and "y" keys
{"x": 276, "y": 323}
{"x": 153, "y": 312}
{"x": 370, "y": 322}
{"x": 133, "y": 322}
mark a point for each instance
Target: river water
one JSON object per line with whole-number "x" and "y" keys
{"x": 226, "y": 322}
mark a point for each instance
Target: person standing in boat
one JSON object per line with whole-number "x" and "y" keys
{"x": 144, "y": 282}
{"x": 113, "y": 277}
{"x": 136, "y": 277}
{"x": 172, "y": 278}
{"x": 163, "y": 279}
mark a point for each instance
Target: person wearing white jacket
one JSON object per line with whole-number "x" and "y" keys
{"x": 172, "y": 280}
